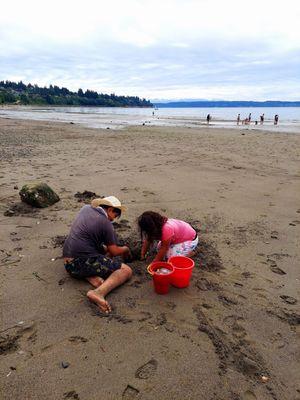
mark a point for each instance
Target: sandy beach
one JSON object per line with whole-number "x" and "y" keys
{"x": 233, "y": 334}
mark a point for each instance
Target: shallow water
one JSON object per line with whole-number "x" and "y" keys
{"x": 117, "y": 118}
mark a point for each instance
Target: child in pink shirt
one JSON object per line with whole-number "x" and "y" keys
{"x": 176, "y": 237}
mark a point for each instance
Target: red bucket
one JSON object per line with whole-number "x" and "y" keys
{"x": 161, "y": 281}
{"x": 183, "y": 267}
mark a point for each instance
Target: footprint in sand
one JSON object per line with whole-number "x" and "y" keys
{"x": 288, "y": 299}
{"x": 130, "y": 393}
{"x": 228, "y": 302}
{"x": 147, "y": 193}
{"x": 147, "y": 370}
{"x": 248, "y": 395}
{"x": 235, "y": 323}
{"x": 71, "y": 395}
{"x": 9, "y": 343}
{"x": 77, "y": 339}
{"x": 277, "y": 270}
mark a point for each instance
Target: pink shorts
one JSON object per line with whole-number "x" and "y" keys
{"x": 181, "y": 249}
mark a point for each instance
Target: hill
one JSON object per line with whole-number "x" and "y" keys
{"x": 20, "y": 93}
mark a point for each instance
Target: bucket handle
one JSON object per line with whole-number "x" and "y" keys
{"x": 148, "y": 269}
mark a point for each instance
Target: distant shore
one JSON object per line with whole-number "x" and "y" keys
{"x": 217, "y": 103}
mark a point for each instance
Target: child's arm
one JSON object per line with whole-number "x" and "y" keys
{"x": 145, "y": 248}
{"x": 165, "y": 245}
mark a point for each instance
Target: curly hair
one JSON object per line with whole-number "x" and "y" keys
{"x": 150, "y": 224}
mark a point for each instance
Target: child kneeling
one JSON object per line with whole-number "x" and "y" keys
{"x": 175, "y": 237}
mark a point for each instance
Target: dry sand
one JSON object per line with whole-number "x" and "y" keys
{"x": 231, "y": 335}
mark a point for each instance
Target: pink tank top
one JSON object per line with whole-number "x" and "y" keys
{"x": 178, "y": 231}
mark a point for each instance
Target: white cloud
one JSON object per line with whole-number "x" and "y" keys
{"x": 139, "y": 47}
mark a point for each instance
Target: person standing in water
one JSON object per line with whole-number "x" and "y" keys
{"x": 238, "y": 120}
{"x": 276, "y": 118}
{"x": 208, "y": 118}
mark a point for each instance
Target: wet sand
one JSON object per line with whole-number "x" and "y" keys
{"x": 232, "y": 334}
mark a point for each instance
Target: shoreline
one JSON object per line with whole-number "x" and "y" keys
{"x": 236, "y": 323}
{"x": 114, "y": 120}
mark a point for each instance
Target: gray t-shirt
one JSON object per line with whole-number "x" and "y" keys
{"x": 89, "y": 231}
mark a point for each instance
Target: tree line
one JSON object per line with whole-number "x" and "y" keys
{"x": 20, "y": 93}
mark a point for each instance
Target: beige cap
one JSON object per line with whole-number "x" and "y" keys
{"x": 110, "y": 201}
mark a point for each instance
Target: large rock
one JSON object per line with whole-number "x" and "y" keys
{"x": 38, "y": 195}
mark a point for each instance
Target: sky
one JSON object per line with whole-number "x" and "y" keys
{"x": 158, "y": 49}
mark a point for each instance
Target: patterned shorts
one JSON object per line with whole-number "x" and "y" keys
{"x": 181, "y": 249}
{"x": 102, "y": 266}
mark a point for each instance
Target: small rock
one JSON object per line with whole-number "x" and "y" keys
{"x": 264, "y": 378}
{"x": 65, "y": 364}
{"x": 16, "y": 187}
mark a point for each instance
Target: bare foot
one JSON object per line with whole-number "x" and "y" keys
{"x": 95, "y": 281}
{"x": 99, "y": 301}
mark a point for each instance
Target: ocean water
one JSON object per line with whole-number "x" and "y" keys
{"x": 117, "y": 118}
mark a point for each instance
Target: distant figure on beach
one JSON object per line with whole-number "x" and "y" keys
{"x": 245, "y": 121}
{"x": 208, "y": 118}
{"x": 249, "y": 118}
{"x": 276, "y": 118}
{"x": 238, "y": 120}
{"x": 262, "y": 118}
{"x": 90, "y": 247}
{"x": 174, "y": 237}
{"x": 153, "y": 113}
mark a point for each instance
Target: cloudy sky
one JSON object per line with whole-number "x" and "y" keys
{"x": 158, "y": 49}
